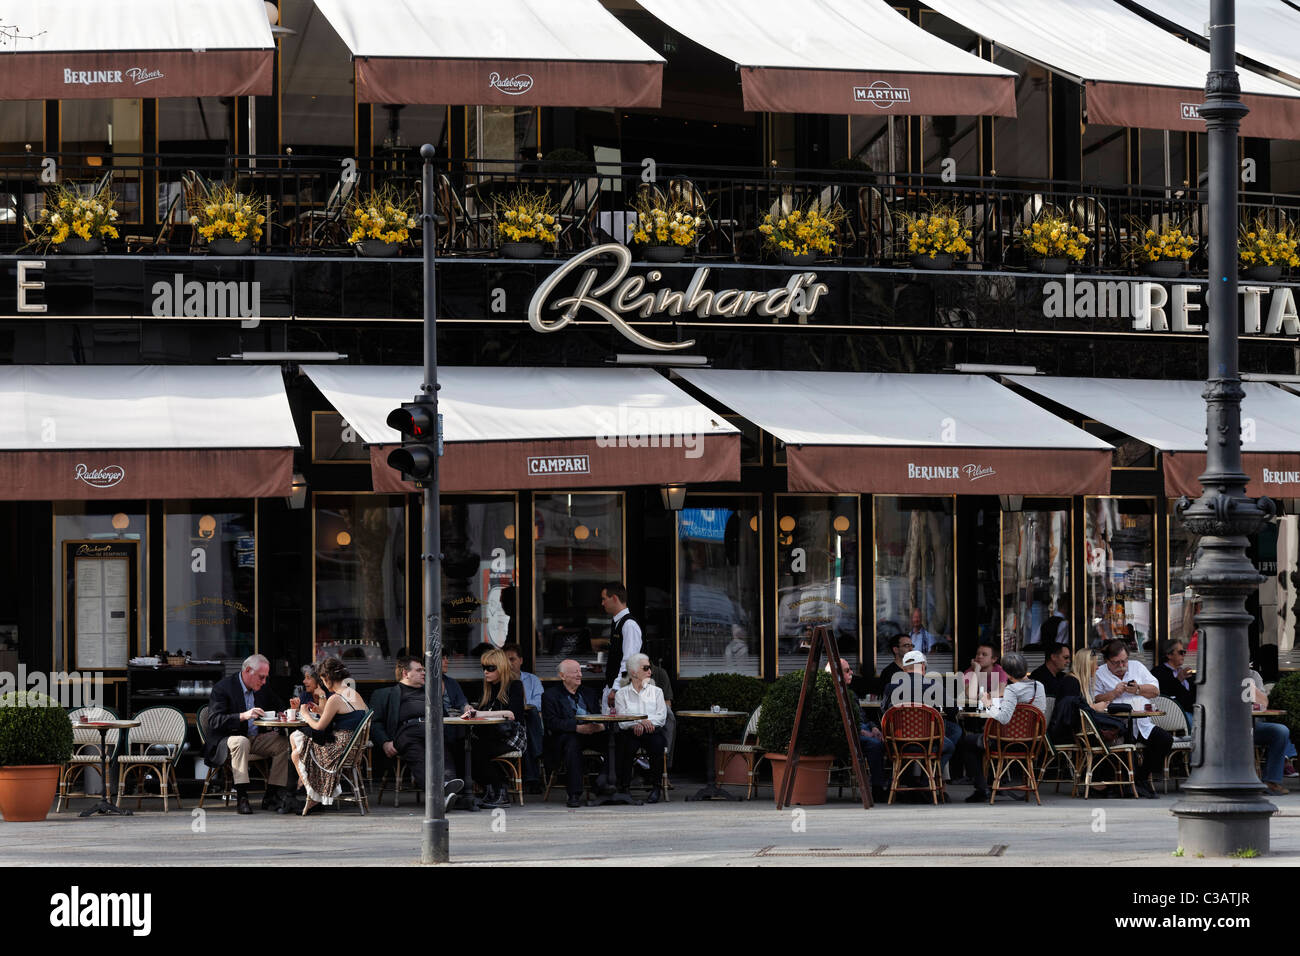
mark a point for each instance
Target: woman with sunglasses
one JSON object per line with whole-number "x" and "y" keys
{"x": 641, "y": 696}
{"x": 503, "y": 697}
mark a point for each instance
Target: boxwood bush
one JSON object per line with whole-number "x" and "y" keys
{"x": 34, "y": 729}
{"x": 1286, "y": 696}
{"x": 728, "y": 691}
{"x": 820, "y": 733}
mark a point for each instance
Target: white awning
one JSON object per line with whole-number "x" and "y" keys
{"x": 1135, "y": 73}
{"x": 632, "y": 426}
{"x": 908, "y": 434}
{"x": 495, "y": 52}
{"x": 840, "y": 56}
{"x": 1267, "y": 31}
{"x": 144, "y": 431}
{"x": 101, "y": 49}
{"x": 1169, "y": 415}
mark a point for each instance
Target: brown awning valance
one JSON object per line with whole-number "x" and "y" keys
{"x": 1276, "y": 475}
{"x": 116, "y": 475}
{"x": 1163, "y": 107}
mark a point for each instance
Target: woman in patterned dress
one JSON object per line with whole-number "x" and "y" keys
{"x": 331, "y": 731}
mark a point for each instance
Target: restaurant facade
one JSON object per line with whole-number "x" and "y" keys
{"x": 194, "y": 445}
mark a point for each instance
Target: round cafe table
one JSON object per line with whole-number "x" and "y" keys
{"x": 1256, "y": 714}
{"x": 105, "y": 805}
{"x": 469, "y": 755}
{"x": 711, "y": 790}
{"x": 611, "y": 776}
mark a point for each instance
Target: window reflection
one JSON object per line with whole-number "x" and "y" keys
{"x": 914, "y": 571}
{"x": 478, "y": 579}
{"x": 817, "y": 574}
{"x": 718, "y": 587}
{"x": 1035, "y": 576}
{"x": 1118, "y": 551}
{"x": 211, "y": 573}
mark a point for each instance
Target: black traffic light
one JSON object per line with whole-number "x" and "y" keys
{"x": 417, "y": 457}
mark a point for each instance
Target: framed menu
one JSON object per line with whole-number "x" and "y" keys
{"x": 101, "y": 616}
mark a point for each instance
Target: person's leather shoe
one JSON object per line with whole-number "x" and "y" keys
{"x": 1277, "y": 789}
{"x": 453, "y": 786}
{"x": 655, "y": 794}
{"x": 1144, "y": 790}
{"x": 289, "y": 805}
{"x": 271, "y": 800}
{"x": 573, "y": 802}
{"x": 243, "y": 806}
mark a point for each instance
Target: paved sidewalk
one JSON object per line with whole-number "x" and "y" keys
{"x": 1063, "y": 830}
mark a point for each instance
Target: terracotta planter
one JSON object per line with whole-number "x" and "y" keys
{"x": 375, "y": 249}
{"x": 664, "y": 253}
{"x": 230, "y": 247}
{"x": 790, "y": 259}
{"x": 76, "y": 246}
{"x": 521, "y": 250}
{"x": 1054, "y": 266}
{"x": 943, "y": 260}
{"x": 27, "y": 792}
{"x": 810, "y": 780}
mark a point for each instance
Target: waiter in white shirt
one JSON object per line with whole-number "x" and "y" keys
{"x": 1123, "y": 681}
{"x": 624, "y": 637}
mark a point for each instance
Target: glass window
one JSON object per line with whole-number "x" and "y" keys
{"x": 360, "y": 608}
{"x": 817, "y": 574}
{"x": 103, "y": 129}
{"x": 22, "y": 122}
{"x": 1182, "y": 599}
{"x": 719, "y": 605}
{"x": 210, "y": 570}
{"x": 500, "y": 132}
{"x": 1284, "y": 166}
{"x": 1118, "y": 551}
{"x": 870, "y": 139}
{"x": 577, "y": 547}
{"x": 479, "y": 601}
{"x": 950, "y": 137}
{"x": 914, "y": 571}
{"x": 89, "y": 521}
{"x": 1022, "y": 144}
{"x": 1156, "y": 173}
{"x": 1036, "y": 575}
{"x": 196, "y": 125}
{"x": 1280, "y": 594}
{"x": 317, "y": 101}
{"x": 1105, "y": 155}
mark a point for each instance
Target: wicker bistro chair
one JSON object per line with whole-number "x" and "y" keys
{"x": 160, "y": 739}
{"x": 85, "y": 753}
{"x": 591, "y": 759}
{"x": 226, "y": 783}
{"x": 1057, "y": 756}
{"x": 1095, "y": 753}
{"x": 914, "y": 737}
{"x": 1174, "y": 720}
{"x": 513, "y": 760}
{"x": 1017, "y": 744}
{"x": 349, "y": 768}
{"x": 397, "y": 771}
{"x": 748, "y": 749}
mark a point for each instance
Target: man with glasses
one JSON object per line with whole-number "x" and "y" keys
{"x": 398, "y": 725}
{"x": 1124, "y": 681}
{"x": 236, "y": 701}
{"x": 562, "y": 704}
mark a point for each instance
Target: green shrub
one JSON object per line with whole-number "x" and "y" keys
{"x": 34, "y": 729}
{"x": 821, "y": 732}
{"x": 1286, "y": 696}
{"x": 728, "y": 691}
{"x": 567, "y": 160}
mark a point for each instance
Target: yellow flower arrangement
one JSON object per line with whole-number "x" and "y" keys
{"x": 69, "y": 214}
{"x": 803, "y": 231}
{"x": 1165, "y": 244}
{"x": 1052, "y": 237}
{"x": 222, "y": 212}
{"x": 661, "y": 222}
{"x": 528, "y": 217}
{"x": 1259, "y": 245}
{"x": 384, "y": 214}
{"x": 936, "y": 232}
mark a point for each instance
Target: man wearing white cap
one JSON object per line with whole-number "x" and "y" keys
{"x": 912, "y": 686}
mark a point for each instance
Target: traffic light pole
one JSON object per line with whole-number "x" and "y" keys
{"x": 433, "y": 843}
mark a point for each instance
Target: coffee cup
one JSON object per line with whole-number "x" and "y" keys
{"x": 290, "y": 715}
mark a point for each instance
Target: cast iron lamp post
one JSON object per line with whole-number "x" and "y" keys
{"x": 1223, "y": 808}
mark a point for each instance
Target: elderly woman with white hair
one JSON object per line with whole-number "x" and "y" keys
{"x": 640, "y": 696}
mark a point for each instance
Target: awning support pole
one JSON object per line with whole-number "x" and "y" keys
{"x": 1223, "y": 809}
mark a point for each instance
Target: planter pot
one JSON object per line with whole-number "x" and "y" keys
{"x": 790, "y": 259}
{"x": 26, "y": 793}
{"x": 810, "y": 780}
{"x": 1165, "y": 268}
{"x": 943, "y": 260}
{"x": 735, "y": 772}
{"x": 521, "y": 250}
{"x": 1264, "y": 273}
{"x": 664, "y": 253}
{"x": 230, "y": 247}
{"x": 76, "y": 246}
{"x": 376, "y": 249}
{"x": 1053, "y": 267}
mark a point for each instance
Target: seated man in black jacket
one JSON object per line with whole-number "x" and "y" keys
{"x": 565, "y": 736}
{"x": 1054, "y": 672}
{"x": 236, "y": 701}
{"x": 398, "y": 725}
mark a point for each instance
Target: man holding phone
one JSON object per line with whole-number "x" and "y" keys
{"x": 1123, "y": 681}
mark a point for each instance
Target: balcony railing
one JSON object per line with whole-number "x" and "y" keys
{"x": 307, "y": 200}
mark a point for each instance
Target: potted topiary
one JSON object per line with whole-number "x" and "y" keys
{"x": 821, "y": 734}
{"x": 730, "y": 692}
{"x": 35, "y": 741}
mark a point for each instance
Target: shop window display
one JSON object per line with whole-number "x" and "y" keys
{"x": 817, "y": 575}
{"x": 1119, "y": 549}
{"x": 914, "y": 571}
{"x": 718, "y": 593}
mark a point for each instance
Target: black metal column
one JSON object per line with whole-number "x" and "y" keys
{"x": 1223, "y": 808}
{"x": 433, "y": 842}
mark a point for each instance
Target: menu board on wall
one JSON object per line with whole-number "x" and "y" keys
{"x": 100, "y": 579}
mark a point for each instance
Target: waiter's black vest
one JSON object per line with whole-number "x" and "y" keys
{"x": 614, "y": 656}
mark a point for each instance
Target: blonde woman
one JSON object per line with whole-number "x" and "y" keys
{"x": 1084, "y": 669}
{"x": 503, "y": 697}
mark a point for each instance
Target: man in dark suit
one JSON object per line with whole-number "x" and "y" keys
{"x": 565, "y": 737}
{"x": 398, "y": 725}
{"x": 237, "y": 701}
